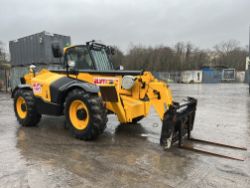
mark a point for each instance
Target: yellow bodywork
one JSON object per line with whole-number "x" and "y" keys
{"x": 40, "y": 83}
{"x": 147, "y": 92}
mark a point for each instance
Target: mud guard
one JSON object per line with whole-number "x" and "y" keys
{"x": 177, "y": 122}
{"x": 20, "y": 86}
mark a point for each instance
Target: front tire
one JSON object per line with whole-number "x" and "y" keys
{"x": 85, "y": 114}
{"x": 137, "y": 119}
{"x": 25, "y": 109}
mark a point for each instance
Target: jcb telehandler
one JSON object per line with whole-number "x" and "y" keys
{"x": 89, "y": 87}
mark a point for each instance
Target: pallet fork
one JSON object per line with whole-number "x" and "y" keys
{"x": 178, "y": 123}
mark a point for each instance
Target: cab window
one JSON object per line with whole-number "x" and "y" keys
{"x": 79, "y": 58}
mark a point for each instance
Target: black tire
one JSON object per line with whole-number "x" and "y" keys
{"x": 33, "y": 117}
{"x": 137, "y": 119}
{"x": 97, "y": 114}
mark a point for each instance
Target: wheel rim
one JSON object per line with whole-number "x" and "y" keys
{"x": 79, "y": 115}
{"x": 21, "y": 107}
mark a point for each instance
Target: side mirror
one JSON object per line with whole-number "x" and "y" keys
{"x": 57, "y": 50}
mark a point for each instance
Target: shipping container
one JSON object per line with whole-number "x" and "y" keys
{"x": 36, "y": 49}
{"x": 210, "y": 75}
{"x": 194, "y": 76}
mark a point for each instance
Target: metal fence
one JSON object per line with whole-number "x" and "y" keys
{"x": 19, "y": 71}
{"x": 168, "y": 76}
{"x": 204, "y": 76}
{"x": 4, "y": 78}
{"x": 228, "y": 75}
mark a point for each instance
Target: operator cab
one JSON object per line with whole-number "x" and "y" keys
{"x": 92, "y": 56}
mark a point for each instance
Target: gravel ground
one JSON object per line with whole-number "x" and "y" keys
{"x": 130, "y": 156}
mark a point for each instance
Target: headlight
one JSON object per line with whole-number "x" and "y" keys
{"x": 128, "y": 82}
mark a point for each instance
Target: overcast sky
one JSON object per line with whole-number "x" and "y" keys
{"x": 122, "y": 22}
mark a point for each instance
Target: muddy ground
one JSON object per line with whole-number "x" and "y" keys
{"x": 130, "y": 156}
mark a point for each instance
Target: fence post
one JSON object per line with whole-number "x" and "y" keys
{"x": 5, "y": 80}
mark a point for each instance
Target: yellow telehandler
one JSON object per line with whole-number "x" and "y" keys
{"x": 89, "y": 87}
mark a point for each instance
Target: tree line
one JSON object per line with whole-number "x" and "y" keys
{"x": 182, "y": 56}
{"x": 3, "y": 54}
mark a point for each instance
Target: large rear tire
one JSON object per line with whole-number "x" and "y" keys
{"x": 25, "y": 109}
{"x": 85, "y": 114}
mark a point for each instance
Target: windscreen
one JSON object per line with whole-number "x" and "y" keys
{"x": 80, "y": 58}
{"x": 101, "y": 59}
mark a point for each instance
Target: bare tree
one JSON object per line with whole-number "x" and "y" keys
{"x": 230, "y": 54}
{"x": 2, "y": 53}
{"x": 183, "y": 56}
{"x": 118, "y": 57}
